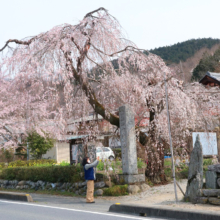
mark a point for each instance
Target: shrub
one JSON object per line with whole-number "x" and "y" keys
{"x": 2, "y": 165}
{"x": 183, "y": 173}
{"x": 207, "y": 162}
{"x": 168, "y": 162}
{"x": 140, "y": 163}
{"x": 31, "y": 163}
{"x": 118, "y": 190}
{"x": 117, "y": 152}
{"x": 46, "y": 173}
{"x": 100, "y": 166}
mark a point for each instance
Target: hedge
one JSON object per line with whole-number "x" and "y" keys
{"x": 48, "y": 174}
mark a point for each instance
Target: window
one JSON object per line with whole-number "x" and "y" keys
{"x": 106, "y": 150}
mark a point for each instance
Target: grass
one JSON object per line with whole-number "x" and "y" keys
{"x": 105, "y": 165}
{"x": 46, "y": 192}
{"x": 182, "y": 170}
{"x": 119, "y": 190}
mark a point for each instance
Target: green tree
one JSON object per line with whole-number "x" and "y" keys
{"x": 207, "y": 63}
{"x": 39, "y": 145}
{"x": 7, "y": 155}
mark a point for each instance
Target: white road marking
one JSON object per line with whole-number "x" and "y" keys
{"x": 76, "y": 210}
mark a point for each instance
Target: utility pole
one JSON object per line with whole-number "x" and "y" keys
{"x": 27, "y": 151}
{"x": 27, "y": 118}
{"x": 181, "y": 67}
{"x": 171, "y": 146}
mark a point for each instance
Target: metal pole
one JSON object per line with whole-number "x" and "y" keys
{"x": 27, "y": 151}
{"x": 171, "y": 146}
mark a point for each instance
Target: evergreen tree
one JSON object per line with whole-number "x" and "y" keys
{"x": 183, "y": 51}
{"x": 207, "y": 63}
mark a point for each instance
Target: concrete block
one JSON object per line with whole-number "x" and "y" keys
{"x": 211, "y": 192}
{"x": 165, "y": 213}
{"x": 16, "y": 196}
{"x": 130, "y": 179}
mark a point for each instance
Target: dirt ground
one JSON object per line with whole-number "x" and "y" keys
{"x": 163, "y": 195}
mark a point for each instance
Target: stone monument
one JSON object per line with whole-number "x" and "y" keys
{"x": 195, "y": 176}
{"x": 128, "y": 146}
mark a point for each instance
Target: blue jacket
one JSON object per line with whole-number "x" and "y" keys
{"x": 89, "y": 174}
{"x": 89, "y": 170}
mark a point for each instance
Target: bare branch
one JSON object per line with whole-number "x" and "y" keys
{"x": 96, "y": 64}
{"x": 76, "y": 44}
{"x": 91, "y": 79}
{"x": 92, "y": 12}
{"x": 120, "y": 51}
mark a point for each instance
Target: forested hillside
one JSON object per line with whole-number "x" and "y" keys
{"x": 182, "y": 51}
{"x": 207, "y": 63}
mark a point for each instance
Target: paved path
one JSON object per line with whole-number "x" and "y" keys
{"x": 25, "y": 211}
{"x": 159, "y": 196}
{"x": 72, "y": 202}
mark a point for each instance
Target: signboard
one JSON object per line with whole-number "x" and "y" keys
{"x": 75, "y": 152}
{"x": 208, "y": 141}
{"x": 114, "y": 142}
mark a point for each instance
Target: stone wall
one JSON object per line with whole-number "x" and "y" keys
{"x": 211, "y": 196}
{"x": 78, "y": 188}
{"x": 212, "y": 192}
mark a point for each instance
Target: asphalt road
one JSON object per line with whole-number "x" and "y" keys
{"x": 10, "y": 210}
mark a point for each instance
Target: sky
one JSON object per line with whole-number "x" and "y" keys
{"x": 148, "y": 23}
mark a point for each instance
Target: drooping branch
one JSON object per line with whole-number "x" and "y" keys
{"x": 130, "y": 48}
{"x": 17, "y": 42}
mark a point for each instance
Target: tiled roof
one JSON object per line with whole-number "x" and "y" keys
{"x": 215, "y": 76}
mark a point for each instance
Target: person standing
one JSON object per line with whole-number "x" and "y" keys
{"x": 90, "y": 177}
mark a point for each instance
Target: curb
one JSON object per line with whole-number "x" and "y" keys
{"x": 16, "y": 196}
{"x": 163, "y": 212}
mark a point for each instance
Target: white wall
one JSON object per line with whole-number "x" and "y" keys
{"x": 63, "y": 152}
{"x": 60, "y": 152}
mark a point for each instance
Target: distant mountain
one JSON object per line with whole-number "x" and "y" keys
{"x": 184, "y": 50}
{"x": 184, "y": 57}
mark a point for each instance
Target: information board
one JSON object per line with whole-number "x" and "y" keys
{"x": 208, "y": 141}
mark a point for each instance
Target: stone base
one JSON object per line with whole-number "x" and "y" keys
{"x": 131, "y": 178}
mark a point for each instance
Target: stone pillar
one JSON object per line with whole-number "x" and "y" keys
{"x": 195, "y": 176}
{"x": 128, "y": 146}
{"x": 128, "y": 140}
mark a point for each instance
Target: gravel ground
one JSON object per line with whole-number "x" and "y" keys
{"x": 163, "y": 195}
